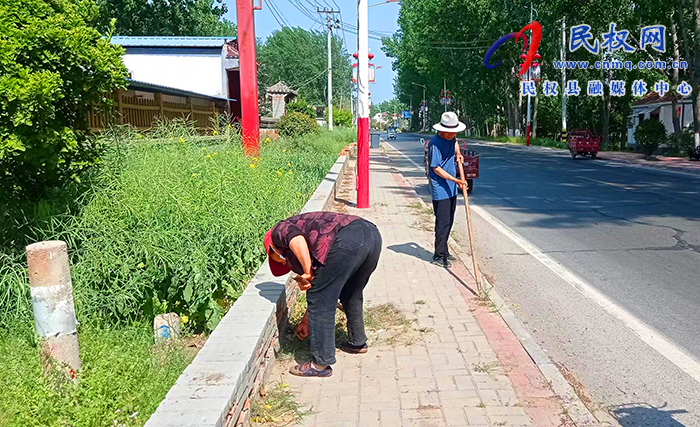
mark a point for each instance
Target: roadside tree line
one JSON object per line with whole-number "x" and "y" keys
{"x": 447, "y": 39}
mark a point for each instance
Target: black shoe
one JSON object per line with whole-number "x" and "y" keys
{"x": 441, "y": 261}
{"x": 451, "y": 258}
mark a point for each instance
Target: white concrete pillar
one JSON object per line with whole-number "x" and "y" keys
{"x": 52, "y": 300}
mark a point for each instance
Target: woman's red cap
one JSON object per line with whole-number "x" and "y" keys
{"x": 277, "y": 268}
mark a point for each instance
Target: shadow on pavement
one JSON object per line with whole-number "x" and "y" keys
{"x": 412, "y": 249}
{"x": 642, "y": 414}
{"x": 415, "y": 250}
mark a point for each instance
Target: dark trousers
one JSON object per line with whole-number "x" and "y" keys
{"x": 444, "y": 218}
{"x": 350, "y": 262}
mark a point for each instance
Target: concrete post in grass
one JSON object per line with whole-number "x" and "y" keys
{"x": 52, "y": 300}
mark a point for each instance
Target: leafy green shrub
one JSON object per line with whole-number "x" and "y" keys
{"x": 649, "y": 135}
{"x": 683, "y": 147}
{"x": 297, "y": 124}
{"x": 165, "y": 225}
{"x": 299, "y": 105}
{"x": 53, "y": 69}
{"x": 341, "y": 117}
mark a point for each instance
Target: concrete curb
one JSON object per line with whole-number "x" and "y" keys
{"x": 214, "y": 390}
{"x": 577, "y": 411}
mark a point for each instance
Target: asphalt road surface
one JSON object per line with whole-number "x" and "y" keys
{"x": 627, "y": 330}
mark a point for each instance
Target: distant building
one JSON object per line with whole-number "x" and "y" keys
{"x": 381, "y": 118}
{"x": 281, "y": 95}
{"x": 655, "y": 107}
{"x": 200, "y": 65}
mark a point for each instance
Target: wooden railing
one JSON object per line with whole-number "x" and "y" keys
{"x": 143, "y": 113}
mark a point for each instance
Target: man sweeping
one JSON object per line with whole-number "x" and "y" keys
{"x": 443, "y": 150}
{"x": 334, "y": 256}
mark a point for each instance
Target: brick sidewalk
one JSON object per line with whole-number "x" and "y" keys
{"x": 465, "y": 368}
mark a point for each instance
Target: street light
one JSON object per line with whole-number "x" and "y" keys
{"x": 382, "y": 2}
{"x": 422, "y": 104}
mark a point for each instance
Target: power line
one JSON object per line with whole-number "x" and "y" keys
{"x": 312, "y": 79}
{"x": 297, "y": 4}
{"x": 277, "y": 15}
{"x": 279, "y": 12}
{"x": 340, "y": 12}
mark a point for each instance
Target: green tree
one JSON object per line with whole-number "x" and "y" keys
{"x": 167, "y": 17}
{"x": 393, "y": 106}
{"x": 300, "y": 105}
{"x": 299, "y": 58}
{"x": 341, "y": 117}
{"x": 54, "y": 67}
{"x": 649, "y": 135}
{"x": 451, "y": 45}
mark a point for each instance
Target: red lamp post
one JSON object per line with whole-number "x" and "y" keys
{"x": 250, "y": 119}
{"x": 363, "y": 79}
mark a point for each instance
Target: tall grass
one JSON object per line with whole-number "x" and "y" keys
{"x": 123, "y": 379}
{"x": 173, "y": 224}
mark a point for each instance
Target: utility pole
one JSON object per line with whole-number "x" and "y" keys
{"x": 250, "y": 115}
{"x": 444, "y": 93}
{"x": 563, "y": 80}
{"x": 424, "y": 107}
{"x": 363, "y": 105}
{"x": 527, "y": 139}
{"x": 331, "y": 22}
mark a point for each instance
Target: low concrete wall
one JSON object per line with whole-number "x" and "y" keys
{"x": 214, "y": 390}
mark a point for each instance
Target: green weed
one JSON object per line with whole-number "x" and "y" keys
{"x": 174, "y": 224}
{"x": 123, "y": 379}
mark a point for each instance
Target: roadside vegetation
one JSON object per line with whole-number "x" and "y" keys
{"x": 539, "y": 142}
{"x": 168, "y": 222}
{"x": 488, "y": 99}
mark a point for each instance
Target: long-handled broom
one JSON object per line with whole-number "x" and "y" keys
{"x": 469, "y": 227}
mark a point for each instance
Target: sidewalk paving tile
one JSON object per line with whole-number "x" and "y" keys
{"x": 465, "y": 368}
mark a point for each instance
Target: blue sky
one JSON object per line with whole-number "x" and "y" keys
{"x": 382, "y": 19}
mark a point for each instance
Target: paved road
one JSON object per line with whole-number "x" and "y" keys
{"x": 630, "y": 233}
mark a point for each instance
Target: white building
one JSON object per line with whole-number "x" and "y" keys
{"x": 655, "y": 107}
{"x": 202, "y": 65}
{"x": 381, "y": 118}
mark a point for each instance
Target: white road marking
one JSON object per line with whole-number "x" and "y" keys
{"x": 654, "y": 339}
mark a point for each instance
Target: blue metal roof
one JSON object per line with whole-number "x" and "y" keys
{"x": 170, "y": 41}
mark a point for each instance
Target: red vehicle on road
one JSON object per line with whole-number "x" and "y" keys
{"x": 582, "y": 142}
{"x": 471, "y": 163}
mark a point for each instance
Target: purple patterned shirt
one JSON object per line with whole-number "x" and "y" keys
{"x": 318, "y": 228}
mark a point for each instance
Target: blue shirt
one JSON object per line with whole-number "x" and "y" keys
{"x": 441, "y": 153}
